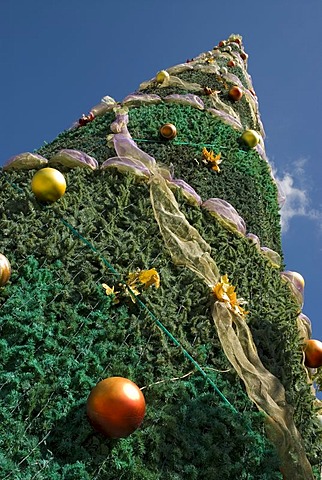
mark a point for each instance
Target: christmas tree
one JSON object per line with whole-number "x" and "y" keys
{"x": 144, "y": 244}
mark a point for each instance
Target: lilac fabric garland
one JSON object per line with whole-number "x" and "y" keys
{"x": 74, "y": 158}
{"x": 189, "y": 193}
{"x": 226, "y": 118}
{"x": 126, "y": 147}
{"x": 296, "y": 284}
{"x": 124, "y": 164}
{"x": 25, "y": 161}
{"x": 181, "y": 67}
{"x": 212, "y": 68}
{"x": 304, "y": 325}
{"x": 273, "y": 257}
{"x": 225, "y": 211}
{"x": 189, "y": 99}
{"x": 120, "y": 123}
{"x": 141, "y": 98}
{"x": 254, "y": 239}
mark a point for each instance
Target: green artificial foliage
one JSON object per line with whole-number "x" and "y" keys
{"x": 61, "y": 334}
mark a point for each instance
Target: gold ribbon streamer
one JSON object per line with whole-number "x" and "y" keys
{"x": 188, "y": 248}
{"x": 265, "y": 390}
{"x": 186, "y": 245}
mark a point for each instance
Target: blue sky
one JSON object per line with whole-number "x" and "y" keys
{"x": 59, "y": 58}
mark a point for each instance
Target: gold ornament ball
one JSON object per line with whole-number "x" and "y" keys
{"x": 250, "y": 138}
{"x": 48, "y": 184}
{"x": 161, "y": 76}
{"x": 168, "y": 131}
{"x": 5, "y": 270}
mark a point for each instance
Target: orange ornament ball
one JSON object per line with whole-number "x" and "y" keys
{"x": 168, "y": 131}
{"x": 236, "y": 40}
{"x": 235, "y": 93}
{"x": 116, "y": 407}
{"x": 244, "y": 56}
{"x": 313, "y": 353}
{"x": 5, "y": 270}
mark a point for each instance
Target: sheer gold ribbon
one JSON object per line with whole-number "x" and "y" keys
{"x": 189, "y": 249}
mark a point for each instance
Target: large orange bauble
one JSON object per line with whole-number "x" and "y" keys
{"x": 116, "y": 407}
{"x": 313, "y": 353}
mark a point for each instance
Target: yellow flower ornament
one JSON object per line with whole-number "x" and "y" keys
{"x": 210, "y": 157}
{"x": 111, "y": 291}
{"x": 147, "y": 278}
{"x": 225, "y": 292}
{"x": 135, "y": 280}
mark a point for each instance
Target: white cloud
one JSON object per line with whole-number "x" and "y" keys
{"x": 296, "y": 201}
{"x": 296, "y": 189}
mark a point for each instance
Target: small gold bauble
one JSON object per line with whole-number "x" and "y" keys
{"x": 250, "y": 138}
{"x": 48, "y": 184}
{"x": 5, "y": 270}
{"x": 168, "y": 131}
{"x": 161, "y": 76}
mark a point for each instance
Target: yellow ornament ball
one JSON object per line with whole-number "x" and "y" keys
{"x": 48, "y": 184}
{"x": 162, "y": 76}
{"x": 250, "y": 138}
